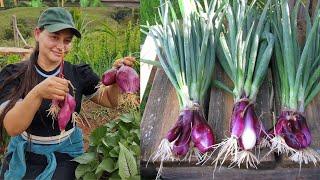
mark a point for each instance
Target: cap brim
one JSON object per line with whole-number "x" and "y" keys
{"x": 59, "y": 27}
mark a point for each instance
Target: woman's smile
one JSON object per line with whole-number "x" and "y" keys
{"x": 57, "y": 54}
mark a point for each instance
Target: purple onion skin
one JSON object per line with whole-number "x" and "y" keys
{"x": 292, "y": 126}
{"x": 128, "y": 79}
{"x": 202, "y": 135}
{"x": 175, "y": 131}
{"x": 237, "y": 118}
{"x": 305, "y": 130}
{"x": 181, "y": 145}
{"x": 66, "y": 111}
{"x": 55, "y": 102}
{"x": 109, "y": 77}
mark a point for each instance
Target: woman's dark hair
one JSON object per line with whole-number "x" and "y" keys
{"x": 28, "y": 80}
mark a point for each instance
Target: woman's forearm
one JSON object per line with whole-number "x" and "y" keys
{"x": 19, "y": 118}
{"x": 113, "y": 93}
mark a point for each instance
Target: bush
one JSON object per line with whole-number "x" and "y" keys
{"x": 101, "y": 46}
{"x": 8, "y": 4}
{"x": 90, "y": 3}
{"x": 10, "y": 59}
{"x": 23, "y": 26}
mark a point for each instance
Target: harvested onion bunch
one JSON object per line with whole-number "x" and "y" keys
{"x": 244, "y": 51}
{"x": 297, "y": 73}
{"x": 186, "y": 51}
{"x": 125, "y": 76}
{"x": 63, "y": 111}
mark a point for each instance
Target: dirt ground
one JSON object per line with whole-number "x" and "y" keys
{"x": 97, "y": 115}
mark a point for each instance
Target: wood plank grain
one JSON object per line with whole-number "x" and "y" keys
{"x": 162, "y": 110}
{"x": 313, "y": 120}
{"x": 221, "y": 105}
{"x": 206, "y": 172}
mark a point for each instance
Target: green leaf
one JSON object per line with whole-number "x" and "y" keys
{"x": 97, "y": 135}
{"x": 115, "y": 176}
{"x": 222, "y": 86}
{"x": 100, "y": 149}
{"x": 135, "y": 149}
{"x": 99, "y": 174}
{"x": 94, "y": 165}
{"x": 114, "y": 152}
{"x": 111, "y": 124}
{"x": 124, "y": 129}
{"x": 106, "y": 165}
{"x": 130, "y": 139}
{"x": 81, "y": 170}
{"x": 127, "y": 118}
{"x": 134, "y": 178}
{"x": 137, "y": 132}
{"x": 127, "y": 163}
{"x": 151, "y": 62}
{"x": 89, "y": 176}
{"x": 112, "y": 139}
{"x": 85, "y": 158}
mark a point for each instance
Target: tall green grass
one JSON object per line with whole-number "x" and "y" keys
{"x": 101, "y": 48}
{"x": 149, "y": 12}
{"x": 103, "y": 41}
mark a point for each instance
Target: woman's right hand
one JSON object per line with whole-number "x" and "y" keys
{"x": 53, "y": 88}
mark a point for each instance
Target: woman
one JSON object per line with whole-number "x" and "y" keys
{"x": 37, "y": 149}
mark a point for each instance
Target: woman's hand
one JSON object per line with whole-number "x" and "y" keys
{"x": 19, "y": 118}
{"x": 129, "y": 61}
{"x": 52, "y": 88}
{"x": 108, "y": 96}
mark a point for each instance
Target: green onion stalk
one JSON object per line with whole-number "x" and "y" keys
{"x": 244, "y": 52}
{"x": 296, "y": 71}
{"x": 186, "y": 51}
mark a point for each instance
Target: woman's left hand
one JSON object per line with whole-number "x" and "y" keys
{"x": 108, "y": 96}
{"x": 128, "y": 61}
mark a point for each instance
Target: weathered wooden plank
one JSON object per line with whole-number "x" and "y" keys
{"x": 313, "y": 119}
{"x": 162, "y": 110}
{"x": 221, "y": 105}
{"x": 206, "y": 172}
{"x": 122, "y": 3}
{"x": 22, "y": 52}
{"x": 10, "y": 50}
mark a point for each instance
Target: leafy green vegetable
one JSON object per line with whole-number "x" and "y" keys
{"x": 106, "y": 157}
{"x": 127, "y": 163}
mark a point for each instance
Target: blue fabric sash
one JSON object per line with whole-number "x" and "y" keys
{"x": 17, "y": 146}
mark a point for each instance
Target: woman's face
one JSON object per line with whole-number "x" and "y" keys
{"x": 53, "y": 46}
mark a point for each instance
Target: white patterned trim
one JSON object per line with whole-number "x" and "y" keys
{"x": 47, "y": 140}
{"x": 45, "y": 75}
